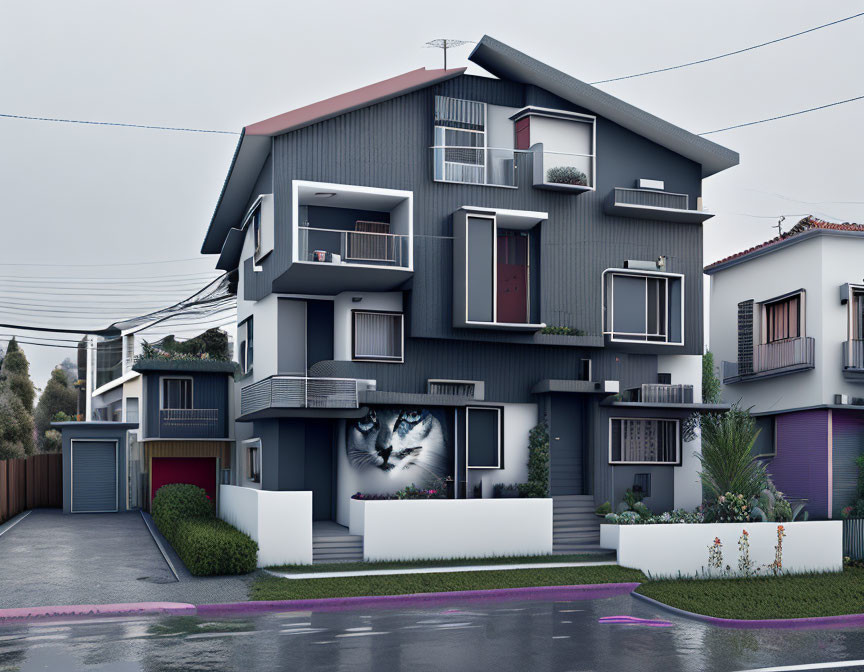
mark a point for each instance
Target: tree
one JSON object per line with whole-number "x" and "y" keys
{"x": 538, "y": 463}
{"x": 58, "y": 397}
{"x": 16, "y": 404}
{"x": 728, "y": 465}
{"x": 711, "y": 388}
{"x": 70, "y": 368}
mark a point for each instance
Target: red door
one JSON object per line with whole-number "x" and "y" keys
{"x": 200, "y": 471}
{"x": 512, "y": 277}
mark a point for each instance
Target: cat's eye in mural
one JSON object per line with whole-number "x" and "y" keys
{"x": 398, "y": 439}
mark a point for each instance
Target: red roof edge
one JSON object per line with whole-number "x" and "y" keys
{"x": 809, "y": 223}
{"x": 352, "y": 100}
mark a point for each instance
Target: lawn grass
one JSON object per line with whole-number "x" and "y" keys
{"x": 269, "y": 587}
{"x": 463, "y": 562}
{"x": 793, "y": 596}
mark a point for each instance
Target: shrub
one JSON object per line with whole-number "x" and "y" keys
{"x": 506, "y": 491}
{"x": 729, "y": 508}
{"x": 176, "y": 502}
{"x": 561, "y": 331}
{"x": 604, "y": 509}
{"x": 538, "y": 463}
{"x": 727, "y": 460}
{"x": 566, "y": 175}
{"x": 212, "y": 547}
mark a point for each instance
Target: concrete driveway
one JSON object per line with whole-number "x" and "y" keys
{"x": 49, "y": 558}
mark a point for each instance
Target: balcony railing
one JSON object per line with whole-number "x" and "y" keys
{"x": 494, "y": 166}
{"x": 560, "y": 170}
{"x": 853, "y": 355}
{"x": 182, "y": 423}
{"x": 779, "y": 357}
{"x": 353, "y": 247}
{"x": 658, "y": 393}
{"x": 298, "y": 392}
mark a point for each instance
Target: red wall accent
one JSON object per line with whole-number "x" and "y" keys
{"x": 200, "y": 471}
{"x": 523, "y": 133}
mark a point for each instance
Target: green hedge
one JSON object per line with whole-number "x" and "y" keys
{"x": 212, "y": 547}
{"x": 207, "y": 546}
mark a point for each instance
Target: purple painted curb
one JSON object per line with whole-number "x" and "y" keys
{"x": 79, "y": 610}
{"x": 812, "y": 623}
{"x": 579, "y": 592}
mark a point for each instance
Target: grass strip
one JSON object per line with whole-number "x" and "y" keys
{"x": 463, "y": 562}
{"x": 792, "y": 596}
{"x": 268, "y": 587}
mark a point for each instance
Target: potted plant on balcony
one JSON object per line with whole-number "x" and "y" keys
{"x": 566, "y": 175}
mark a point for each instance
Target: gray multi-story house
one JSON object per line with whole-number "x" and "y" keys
{"x": 429, "y": 266}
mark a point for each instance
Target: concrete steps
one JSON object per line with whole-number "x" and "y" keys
{"x": 575, "y": 528}
{"x": 336, "y": 548}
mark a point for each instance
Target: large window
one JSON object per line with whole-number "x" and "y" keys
{"x": 644, "y": 308}
{"x": 483, "y": 437}
{"x": 176, "y": 393}
{"x": 644, "y": 441}
{"x": 245, "y": 341}
{"x": 377, "y": 336}
{"x": 782, "y": 319}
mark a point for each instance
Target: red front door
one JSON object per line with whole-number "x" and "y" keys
{"x": 512, "y": 277}
{"x": 200, "y": 471}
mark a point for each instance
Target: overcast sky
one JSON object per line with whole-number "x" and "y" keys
{"x": 86, "y": 196}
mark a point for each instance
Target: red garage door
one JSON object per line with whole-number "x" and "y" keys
{"x": 200, "y": 471}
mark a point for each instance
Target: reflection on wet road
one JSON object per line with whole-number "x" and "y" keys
{"x": 612, "y": 634}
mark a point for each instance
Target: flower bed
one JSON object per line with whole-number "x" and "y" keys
{"x": 714, "y": 550}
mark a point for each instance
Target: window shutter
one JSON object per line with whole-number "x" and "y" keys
{"x": 745, "y": 337}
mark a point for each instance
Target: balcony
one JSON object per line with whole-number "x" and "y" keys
{"x": 562, "y": 171}
{"x": 779, "y": 358}
{"x": 466, "y": 164}
{"x": 370, "y": 248}
{"x": 296, "y": 392}
{"x": 659, "y": 393}
{"x": 653, "y": 204}
{"x": 190, "y": 423}
{"x": 853, "y": 359}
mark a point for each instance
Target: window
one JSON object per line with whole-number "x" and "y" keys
{"x": 176, "y": 393}
{"x": 245, "y": 339}
{"x": 253, "y": 461}
{"x": 782, "y": 319}
{"x": 483, "y": 436}
{"x": 377, "y": 336}
{"x": 645, "y": 308}
{"x": 857, "y": 308}
{"x": 644, "y": 441}
{"x": 255, "y": 222}
{"x": 131, "y": 409}
{"x": 460, "y": 140}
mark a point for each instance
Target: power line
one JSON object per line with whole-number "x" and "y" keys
{"x": 783, "y": 116}
{"x": 798, "y": 200}
{"x": 125, "y": 263}
{"x": 729, "y": 53}
{"x": 117, "y": 123}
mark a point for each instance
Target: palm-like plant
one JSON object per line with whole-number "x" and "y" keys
{"x": 727, "y": 459}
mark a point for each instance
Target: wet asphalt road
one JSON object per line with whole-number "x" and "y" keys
{"x": 499, "y": 636}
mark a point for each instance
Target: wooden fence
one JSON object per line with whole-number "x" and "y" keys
{"x": 30, "y": 483}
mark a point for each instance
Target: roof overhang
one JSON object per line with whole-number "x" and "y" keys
{"x": 507, "y": 63}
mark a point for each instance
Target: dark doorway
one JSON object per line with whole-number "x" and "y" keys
{"x": 512, "y": 277}
{"x": 567, "y": 441}
{"x": 318, "y": 470}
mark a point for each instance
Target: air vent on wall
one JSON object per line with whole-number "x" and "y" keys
{"x": 471, "y": 389}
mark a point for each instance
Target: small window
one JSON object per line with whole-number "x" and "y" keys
{"x": 483, "y": 438}
{"x": 644, "y": 441}
{"x": 378, "y": 336}
{"x": 253, "y": 461}
{"x": 782, "y": 319}
{"x": 644, "y": 308}
{"x": 255, "y": 222}
{"x": 176, "y": 393}
{"x": 245, "y": 340}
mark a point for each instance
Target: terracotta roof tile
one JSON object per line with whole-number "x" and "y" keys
{"x": 807, "y": 224}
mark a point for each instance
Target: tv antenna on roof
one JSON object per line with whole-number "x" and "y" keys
{"x": 779, "y": 225}
{"x": 445, "y": 44}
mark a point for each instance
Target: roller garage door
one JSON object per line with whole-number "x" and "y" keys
{"x": 94, "y": 476}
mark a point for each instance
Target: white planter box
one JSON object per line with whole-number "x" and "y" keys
{"x": 424, "y": 529}
{"x": 281, "y": 522}
{"x": 682, "y": 549}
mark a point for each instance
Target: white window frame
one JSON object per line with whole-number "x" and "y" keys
{"x": 677, "y": 461}
{"x": 162, "y": 391}
{"x": 500, "y": 412}
{"x": 609, "y": 324}
{"x": 248, "y": 444}
{"x": 382, "y": 360}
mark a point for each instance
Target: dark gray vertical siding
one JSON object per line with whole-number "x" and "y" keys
{"x": 209, "y": 390}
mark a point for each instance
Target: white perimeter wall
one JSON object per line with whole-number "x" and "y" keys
{"x": 686, "y": 370}
{"x": 281, "y": 522}
{"x": 667, "y": 550}
{"x": 454, "y": 528}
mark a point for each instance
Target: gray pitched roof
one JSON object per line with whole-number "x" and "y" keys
{"x": 505, "y": 62}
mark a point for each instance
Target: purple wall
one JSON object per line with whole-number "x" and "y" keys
{"x": 800, "y": 468}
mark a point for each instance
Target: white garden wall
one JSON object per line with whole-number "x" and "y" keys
{"x": 281, "y": 522}
{"x": 399, "y": 529}
{"x": 682, "y": 549}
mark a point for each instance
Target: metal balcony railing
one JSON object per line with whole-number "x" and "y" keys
{"x": 495, "y": 166}
{"x": 658, "y": 393}
{"x": 190, "y": 422}
{"x": 353, "y": 247}
{"x": 298, "y": 392}
{"x": 786, "y": 356}
{"x": 652, "y": 199}
{"x": 853, "y": 354}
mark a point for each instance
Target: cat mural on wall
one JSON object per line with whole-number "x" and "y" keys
{"x": 400, "y": 442}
